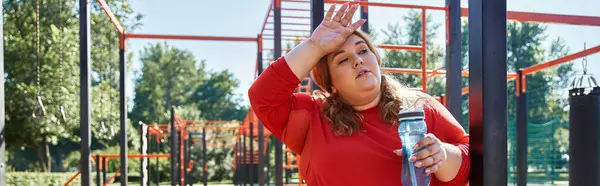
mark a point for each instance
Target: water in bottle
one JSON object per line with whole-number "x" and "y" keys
{"x": 411, "y": 129}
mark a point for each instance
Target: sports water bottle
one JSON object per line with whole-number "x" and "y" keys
{"x": 411, "y": 129}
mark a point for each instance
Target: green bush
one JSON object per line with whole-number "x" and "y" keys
{"x": 39, "y": 178}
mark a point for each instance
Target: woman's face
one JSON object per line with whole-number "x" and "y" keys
{"x": 355, "y": 72}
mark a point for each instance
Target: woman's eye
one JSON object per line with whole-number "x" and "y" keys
{"x": 344, "y": 60}
{"x": 362, "y": 51}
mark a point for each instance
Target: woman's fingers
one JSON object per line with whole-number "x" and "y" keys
{"x": 329, "y": 13}
{"x": 434, "y": 168}
{"x": 426, "y": 152}
{"x": 348, "y": 16}
{"x": 398, "y": 152}
{"x": 340, "y": 13}
{"x": 351, "y": 28}
{"x": 431, "y": 160}
{"x": 427, "y": 140}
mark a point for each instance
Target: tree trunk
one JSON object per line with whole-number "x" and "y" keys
{"x": 40, "y": 155}
{"x": 47, "y": 157}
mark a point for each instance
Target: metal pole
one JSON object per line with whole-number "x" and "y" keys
{"x": 181, "y": 156}
{"x": 317, "y": 14}
{"x": 521, "y": 130}
{"x": 453, "y": 96}
{"x": 173, "y": 149}
{"x": 251, "y": 167}
{"x": 123, "y": 109}
{"x": 157, "y": 164}
{"x": 104, "y": 170}
{"x": 142, "y": 151}
{"x": 204, "y": 158}
{"x": 238, "y": 160}
{"x": 187, "y": 157}
{"x": 487, "y": 97}
{"x": 2, "y": 139}
{"x": 84, "y": 88}
{"x": 261, "y": 132}
{"x": 98, "y": 165}
{"x": 244, "y": 158}
{"x": 364, "y": 14}
{"x": 277, "y": 52}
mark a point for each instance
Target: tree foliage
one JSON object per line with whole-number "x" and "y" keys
{"x": 56, "y": 83}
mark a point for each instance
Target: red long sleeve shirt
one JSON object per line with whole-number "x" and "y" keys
{"x": 363, "y": 158}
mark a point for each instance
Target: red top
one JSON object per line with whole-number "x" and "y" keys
{"x": 364, "y": 158}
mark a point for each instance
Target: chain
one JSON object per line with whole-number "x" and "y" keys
{"x": 37, "y": 45}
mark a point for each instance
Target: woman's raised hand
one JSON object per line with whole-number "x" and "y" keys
{"x": 334, "y": 29}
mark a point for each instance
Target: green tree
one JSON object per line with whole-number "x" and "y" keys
{"x": 56, "y": 83}
{"x": 168, "y": 78}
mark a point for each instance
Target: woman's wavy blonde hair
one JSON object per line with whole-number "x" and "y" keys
{"x": 345, "y": 120}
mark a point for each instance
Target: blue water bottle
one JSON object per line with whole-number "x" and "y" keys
{"x": 411, "y": 129}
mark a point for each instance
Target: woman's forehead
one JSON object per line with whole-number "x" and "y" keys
{"x": 350, "y": 43}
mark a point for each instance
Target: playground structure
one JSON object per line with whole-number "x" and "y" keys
{"x": 484, "y": 92}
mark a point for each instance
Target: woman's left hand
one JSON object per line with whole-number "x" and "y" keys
{"x": 432, "y": 157}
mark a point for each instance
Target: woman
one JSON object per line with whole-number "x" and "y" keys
{"x": 348, "y": 136}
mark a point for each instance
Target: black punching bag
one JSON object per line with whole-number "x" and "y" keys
{"x": 584, "y": 136}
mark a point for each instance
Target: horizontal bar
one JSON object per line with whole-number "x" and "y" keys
{"x": 270, "y": 49}
{"x": 547, "y": 18}
{"x": 295, "y": 1}
{"x": 368, "y": 3}
{"x": 109, "y": 156}
{"x": 401, "y": 47}
{"x": 297, "y": 24}
{"x": 283, "y": 35}
{"x": 293, "y": 30}
{"x": 188, "y": 37}
{"x": 284, "y": 39}
{"x": 295, "y": 9}
{"x": 293, "y": 17}
{"x": 211, "y": 122}
{"x": 410, "y": 71}
{"x": 111, "y": 16}
{"x": 561, "y": 60}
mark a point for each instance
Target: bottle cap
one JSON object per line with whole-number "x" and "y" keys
{"x": 411, "y": 114}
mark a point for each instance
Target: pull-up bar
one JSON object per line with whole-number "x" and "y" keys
{"x": 190, "y": 37}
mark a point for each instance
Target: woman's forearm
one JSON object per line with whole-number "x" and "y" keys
{"x": 302, "y": 58}
{"x": 451, "y": 166}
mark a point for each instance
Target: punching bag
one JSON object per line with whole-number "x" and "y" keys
{"x": 584, "y": 136}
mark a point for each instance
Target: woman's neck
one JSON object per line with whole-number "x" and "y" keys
{"x": 371, "y": 104}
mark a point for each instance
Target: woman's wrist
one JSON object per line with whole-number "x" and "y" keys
{"x": 302, "y": 58}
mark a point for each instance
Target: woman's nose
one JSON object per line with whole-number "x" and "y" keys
{"x": 357, "y": 61}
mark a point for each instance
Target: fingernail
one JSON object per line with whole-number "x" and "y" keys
{"x": 427, "y": 171}
{"x": 418, "y": 164}
{"x": 412, "y": 159}
{"x": 415, "y": 147}
{"x": 398, "y": 152}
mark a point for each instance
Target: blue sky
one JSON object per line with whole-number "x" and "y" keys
{"x": 244, "y": 18}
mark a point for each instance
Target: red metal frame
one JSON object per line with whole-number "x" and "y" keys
{"x": 547, "y": 18}
{"x": 511, "y": 15}
{"x": 111, "y": 16}
{"x": 189, "y": 37}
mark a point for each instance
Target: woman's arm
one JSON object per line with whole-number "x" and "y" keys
{"x": 327, "y": 37}
{"x": 271, "y": 96}
{"x": 454, "y": 142}
{"x": 446, "y": 155}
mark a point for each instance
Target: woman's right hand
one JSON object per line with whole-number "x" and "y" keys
{"x": 332, "y": 32}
